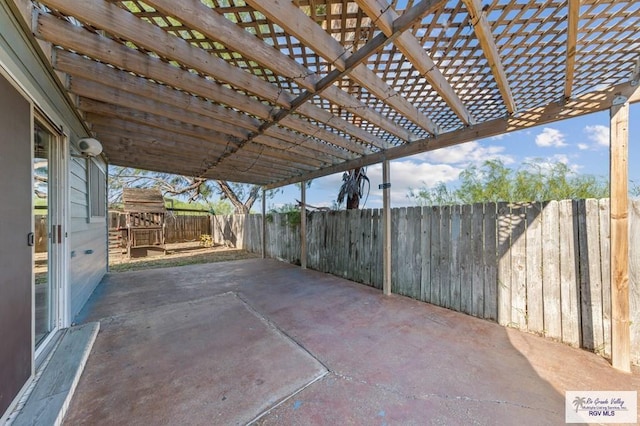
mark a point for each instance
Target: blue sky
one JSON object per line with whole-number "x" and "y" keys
{"x": 582, "y": 143}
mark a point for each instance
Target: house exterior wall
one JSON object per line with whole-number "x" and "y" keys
{"x": 88, "y": 245}
{"x": 23, "y": 63}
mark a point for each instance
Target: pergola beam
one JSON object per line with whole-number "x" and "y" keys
{"x": 384, "y": 17}
{"x": 78, "y": 66}
{"x": 189, "y": 136}
{"x": 298, "y": 24}
{"x": 196, "y": 15}
{"x": 135, "y": 136}
{"x": 488, "y": 44}
{"x": 123, "y": 127}
{"x": 585, "y": 104}
{"x": 125, "y": 25}
{"x": 572, "y": 39}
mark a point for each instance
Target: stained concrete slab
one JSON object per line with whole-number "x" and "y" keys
{"x": 207, "y": 361}
{"x": 391, "y": 360}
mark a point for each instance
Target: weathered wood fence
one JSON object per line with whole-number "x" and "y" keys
{"x": 538, "y": 267}
{"x": 183, "y": 228}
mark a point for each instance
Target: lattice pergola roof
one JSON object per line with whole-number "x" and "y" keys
{"x": 274, "y": 92}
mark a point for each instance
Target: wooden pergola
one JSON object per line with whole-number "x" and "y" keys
{"x": 274, "y": 92}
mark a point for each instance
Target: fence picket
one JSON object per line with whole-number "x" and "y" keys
{"x": 551, "y": 270}
{"x": 445, "y": 256}
{"x": 490, "y": 263}
{"x": 477, "y": 272}
{"x": 605, "y": 268}
{"x": 434, "y": 296}
{"x": 466, "y": 260}
{"x": 456, "y": 255}
{"x": 568, "y": 278}
{"x": 535, "y": 299}
{"x": 504, "y": 263}
{"x": 427, "y": 257}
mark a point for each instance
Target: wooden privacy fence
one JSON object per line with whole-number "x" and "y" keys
{"x": 538, "y": 267}
{"x": 178, "y": 228}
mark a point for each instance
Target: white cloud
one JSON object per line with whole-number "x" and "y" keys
{"x": 550, "y": 137}
{"x": 407, "y": 174}
{"x": 466, "y": 153}
{"x": 583, "y": 146}
{"x": 598, "y": 134}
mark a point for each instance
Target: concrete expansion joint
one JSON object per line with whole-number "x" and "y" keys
{"x": 275, "y": 327}
{"x": 436, "y": 395}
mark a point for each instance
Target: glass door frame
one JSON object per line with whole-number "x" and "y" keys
{"x": 57, "y": 244}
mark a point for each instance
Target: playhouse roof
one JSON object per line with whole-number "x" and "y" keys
{"x": 138, "y": 200}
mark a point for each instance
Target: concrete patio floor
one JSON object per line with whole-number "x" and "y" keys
{"x": 264, "y": 341}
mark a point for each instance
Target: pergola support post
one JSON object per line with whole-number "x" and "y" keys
{"x": 619, "y": 214}
{"x": 264, "y": 224}
{"x": 386, "y": 224}
{"x": 303, "y": 224}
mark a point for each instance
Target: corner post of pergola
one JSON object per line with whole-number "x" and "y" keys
{"x": 619, "y": 213}
{"x": 386, "y": 224}
{"x": 264, "y": 223}
{"x": 303, "y": 224}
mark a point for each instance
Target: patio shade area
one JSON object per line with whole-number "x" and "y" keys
{"x": 263, "y": 340}
{"x": 272, "y": 93}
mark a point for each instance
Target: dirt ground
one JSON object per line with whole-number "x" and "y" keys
{"x": 178, "y": 254}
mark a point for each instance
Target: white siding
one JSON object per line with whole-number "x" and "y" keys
{"x": 88, "y": 240}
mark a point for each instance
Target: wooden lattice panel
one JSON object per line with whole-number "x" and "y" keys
{"x": 532, "y": 40}
{"x": 273, "y": 92}
{"x": 607, "y": 43}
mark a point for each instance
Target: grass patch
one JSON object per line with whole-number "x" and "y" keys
{"x": 173, "y": 259}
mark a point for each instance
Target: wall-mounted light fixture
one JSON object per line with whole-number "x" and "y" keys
{"x": 89, "y": 147}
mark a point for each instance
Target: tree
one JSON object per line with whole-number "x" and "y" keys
{"x": 354, "y": 183}
{"x": 440, "y": 195}
{"x": 534, "y": 181}
{"x": 236, "y": 192}
{"x": 242, "y": 197}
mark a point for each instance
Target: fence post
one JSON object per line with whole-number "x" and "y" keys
{"x": 264, "y": 223}
{"x": 619, "y": 213}
{"x": 303, "y": 224}
{"x": 386, "y": 218}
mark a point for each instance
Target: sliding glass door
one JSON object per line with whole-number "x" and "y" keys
{"x": 48, "y": 236}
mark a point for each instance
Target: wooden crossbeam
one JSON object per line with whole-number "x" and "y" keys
{"x": 106, "y": 50}
{"x": 188, "y": 136}
{"x": 194, "y": 14}
{"x": 584, "y": 104}
{"x": 114, "y": 96}
{"x": 488, "y": 44}
{"x": 572, "y": 38}
{"x": 384, "y": 16}
{"x": 176, "y": 145}
{"x": 123, "y": 24}
{"x": 124, "y": 127}
{"x": 301, "y": 26}
{"x": 78, "y": 66}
